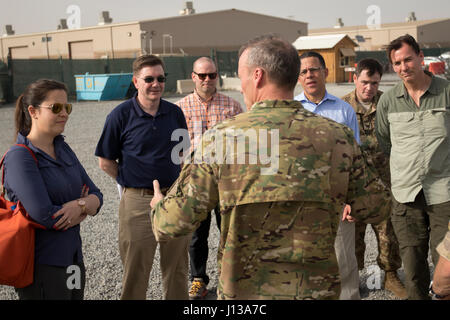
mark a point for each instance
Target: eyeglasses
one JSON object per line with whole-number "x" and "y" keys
{"x": 203, "y": 76}
{"x": 150, "y": 79}
{"x": 57, "y": 107}
{"x": 312, "y": 70}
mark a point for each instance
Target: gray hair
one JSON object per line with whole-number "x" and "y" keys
{"x": 277, "y": 57}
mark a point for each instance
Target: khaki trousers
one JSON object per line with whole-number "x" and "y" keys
{"x": 344, "y": 246}
{"x": 137, "y": 247}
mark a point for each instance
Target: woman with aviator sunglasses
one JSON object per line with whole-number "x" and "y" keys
{"x": 56, "y": 191}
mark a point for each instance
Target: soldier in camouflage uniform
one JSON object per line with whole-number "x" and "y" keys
{"x": 279, "y": 218}
{"x": 364, "y": 100}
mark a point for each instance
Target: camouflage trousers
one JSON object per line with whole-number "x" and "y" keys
{"x": 388, "y": 250}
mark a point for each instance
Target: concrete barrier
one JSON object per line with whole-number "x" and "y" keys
{"x": 185, "y": 86}
{"x": 231, "y": 84}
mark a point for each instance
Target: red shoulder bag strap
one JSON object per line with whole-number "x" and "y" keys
{"x": 3, "y": 158}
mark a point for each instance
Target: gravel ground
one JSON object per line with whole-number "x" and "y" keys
{"x": 100, "y": 233}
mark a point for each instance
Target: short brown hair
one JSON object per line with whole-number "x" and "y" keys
{"x": 147, "y": 60}
{"x": 398, "y": 43}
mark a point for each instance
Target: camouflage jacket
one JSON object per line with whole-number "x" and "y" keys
{"x": 279, "y": 219}
{"x": 369, "y": 143}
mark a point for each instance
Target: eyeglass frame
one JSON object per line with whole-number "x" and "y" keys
{"x": 67, "y": 106}
{"x": 315, "y": 70}
{"x": 202, "y": 76}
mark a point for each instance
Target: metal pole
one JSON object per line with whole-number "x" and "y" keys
{"x": 112, "y": 44}
{"x": 46, "y": 42}
{"x": 151, "y": 44}
{"x": 1, "y": 45}
{"x": 164, "y": 44}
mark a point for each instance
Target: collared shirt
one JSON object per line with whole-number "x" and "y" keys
{"x": 43, "y": 189}
{"x": 202, "y": 115}
{"x": 369, "y": 143}
{"x": 418, "y": 140}
{"x": 285, "y": 221}
{"x": 142, "y": 143}
{"x": 332, "y": 108}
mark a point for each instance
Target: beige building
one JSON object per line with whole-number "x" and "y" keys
{"x": 428, "y": 33}
{"x": 190, "y": 34}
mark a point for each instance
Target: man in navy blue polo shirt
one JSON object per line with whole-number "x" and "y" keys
{"x": 134, "y": 149}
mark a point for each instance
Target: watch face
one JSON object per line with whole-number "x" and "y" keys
{"x": 81, "y": 202}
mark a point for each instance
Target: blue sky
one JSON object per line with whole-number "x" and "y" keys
{"x": 29, "y": 16}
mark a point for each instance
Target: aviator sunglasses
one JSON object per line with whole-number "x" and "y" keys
{"x": 57, "y": 107}
{"x": 202, "y": 76}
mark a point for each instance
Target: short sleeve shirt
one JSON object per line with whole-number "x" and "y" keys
{"x": 202, "y": 115}
{"x": 142, "y": 144}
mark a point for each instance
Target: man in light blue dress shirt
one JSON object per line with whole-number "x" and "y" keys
{"x": 315, "y": 98}
{"x": 333, "y": 108}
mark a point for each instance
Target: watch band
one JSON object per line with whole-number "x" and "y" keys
{"x": 436, "y": 296}
{"x": 82, "y": 205}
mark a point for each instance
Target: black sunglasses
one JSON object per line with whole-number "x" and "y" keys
{"x": 202, "y": 76}
{"x": 150, "y": 79}
{"x": 57, "y": 107}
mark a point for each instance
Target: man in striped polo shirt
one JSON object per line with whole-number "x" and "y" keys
{"x": 203, "y": 109}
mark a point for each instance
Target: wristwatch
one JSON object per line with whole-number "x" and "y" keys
{"x": 82, "y": 205}
{"x": 435, "y": 296}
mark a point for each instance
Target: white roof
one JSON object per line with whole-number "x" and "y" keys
{"x": 318, "y": 42}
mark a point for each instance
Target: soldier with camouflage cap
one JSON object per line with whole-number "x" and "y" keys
{"x": 281, "y": 196}
{"x": 364, "y": 101}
